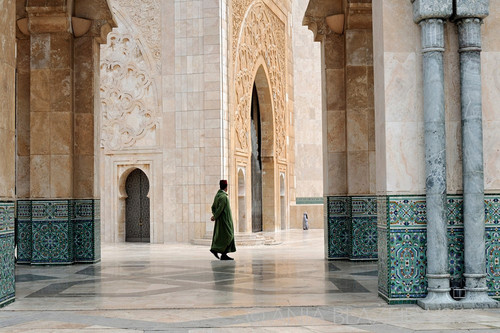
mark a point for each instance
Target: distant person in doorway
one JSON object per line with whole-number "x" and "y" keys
{"x": 223, "y": 238}
{"x": 305, "y": 221}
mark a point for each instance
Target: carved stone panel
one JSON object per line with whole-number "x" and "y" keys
{"x": 258, "y": 34}
{"x": 130, "y": 107}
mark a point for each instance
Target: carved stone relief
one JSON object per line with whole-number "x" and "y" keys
{"x": 260, "y": 34}
{"x": 130, "y": 112}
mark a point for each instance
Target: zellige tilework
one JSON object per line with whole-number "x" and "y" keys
{"x": 58, "y": 231}
{"x": 404, "y": 256}
{"x": 7, "y": 282}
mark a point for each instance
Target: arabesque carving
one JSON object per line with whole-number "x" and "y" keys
{"x": 262, "y": 34}
{"x": 146, "y": 20}
{"x": 129, "y": 107}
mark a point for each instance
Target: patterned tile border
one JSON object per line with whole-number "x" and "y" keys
{"x": 309, "y": 201}
{"x": 7, "y": 245}
{"x": 58, "y": 231}
{"x": 402, "y": 246}
{"x": 352, "y": 228}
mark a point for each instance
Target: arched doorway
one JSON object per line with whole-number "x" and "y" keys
{"x": 242, "y": 207}
{"x": 282, "y": 202}
{"x": 137, "y": 222}
{"x": 256, "y": 161}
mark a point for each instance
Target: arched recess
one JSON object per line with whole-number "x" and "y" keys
{"x": 259, "y": 54}
{"x": 242, "y": 206}
{"x": 137, "y": 208}
{"x": 283, "y": 210}
{"x": 266, "y": 148}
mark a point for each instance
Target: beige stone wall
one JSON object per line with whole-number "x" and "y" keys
{"x": 7, "y": 98}
{"x": 491, "y": 98}
{"x": 169, "y": 56}
{"x": 398, "y": 100}
{"x": 314, "y": 212}
{"x": 399, "y": 107}
{"x": 307, "y": 107}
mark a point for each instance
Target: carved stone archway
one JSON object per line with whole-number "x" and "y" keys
{"x": 261, "y": 37}
{"x": 259, "y": 57}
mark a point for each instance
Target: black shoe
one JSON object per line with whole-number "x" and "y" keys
{"x": 215, "y": 254}
{"x": 225, "y": 257}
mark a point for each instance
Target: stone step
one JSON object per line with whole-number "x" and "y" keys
{"x": 243, "y": 239}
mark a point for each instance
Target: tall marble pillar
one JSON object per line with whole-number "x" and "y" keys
{"x": 431, "y": 15}
{"x": 58, "y": 59}
{"x": 7, "y": 149}
{"x": 51, "y": 102}
{"x": 469, "y": 16}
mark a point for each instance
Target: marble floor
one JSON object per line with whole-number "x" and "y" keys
{"x": 285, "y": 287}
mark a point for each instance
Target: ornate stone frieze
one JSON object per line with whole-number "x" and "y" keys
{"x": 261, "y": 36}
{"x": 145, "y": 18}
{"x": 129, "y": 107}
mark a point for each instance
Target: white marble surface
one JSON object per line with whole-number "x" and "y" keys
{"x": 287, "y": 287}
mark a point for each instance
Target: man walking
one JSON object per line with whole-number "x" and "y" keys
{"x": 223, "y": 238}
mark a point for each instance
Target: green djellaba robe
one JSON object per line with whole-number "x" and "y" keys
{"x": 223, "y": 238}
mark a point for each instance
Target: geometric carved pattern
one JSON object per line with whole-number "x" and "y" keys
{"x": 128, "y": 94}
{"x": 7, "y": 280}
{"x": 402, "y": 258}
{"x": 58, "y": 231}
{"x": 259, "y": 33}
{"x": 352, "y": 228}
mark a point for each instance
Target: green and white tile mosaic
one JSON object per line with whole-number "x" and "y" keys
{"x": 58, "y": 231}
{"x": 352, "y": 228}
{"x": 7, "y": 282}
{"x": 402, "y": 246}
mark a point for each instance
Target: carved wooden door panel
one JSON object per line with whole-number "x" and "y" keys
{"x": 137, "y": 224}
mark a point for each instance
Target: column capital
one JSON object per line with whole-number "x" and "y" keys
{"x": 428, "y": 9}
{"x": 469, "y": 34}
{"x": 318, "y": 25}
{"x": 432, "y": 35}
{"x": 471, "y": 9}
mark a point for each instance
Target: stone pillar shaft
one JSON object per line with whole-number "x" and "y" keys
{"x": 473, "y": 176}
{"x": 51, "y": 111}
{"x": 435, "y": 163}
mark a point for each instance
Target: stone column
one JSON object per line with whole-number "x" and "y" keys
{"x": 430, "y": 14}
{"x": 51, "y": 102}
{"x": 60, "y": 61}
{"x": 7, "y": 150}
{"x": 469, "y": 17}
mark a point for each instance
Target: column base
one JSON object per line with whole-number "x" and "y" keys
{"x": 438, "y": 301}
{"x": 478, "y": 300}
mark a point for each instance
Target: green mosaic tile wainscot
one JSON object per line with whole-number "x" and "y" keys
{"x": 7, "y": 279}
{"x": 352, "y": 228}
{"x": 402, "y": 233}
{"x": 58, "y": 231}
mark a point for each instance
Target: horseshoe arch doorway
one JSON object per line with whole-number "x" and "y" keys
{"x": 137, "y": 208}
